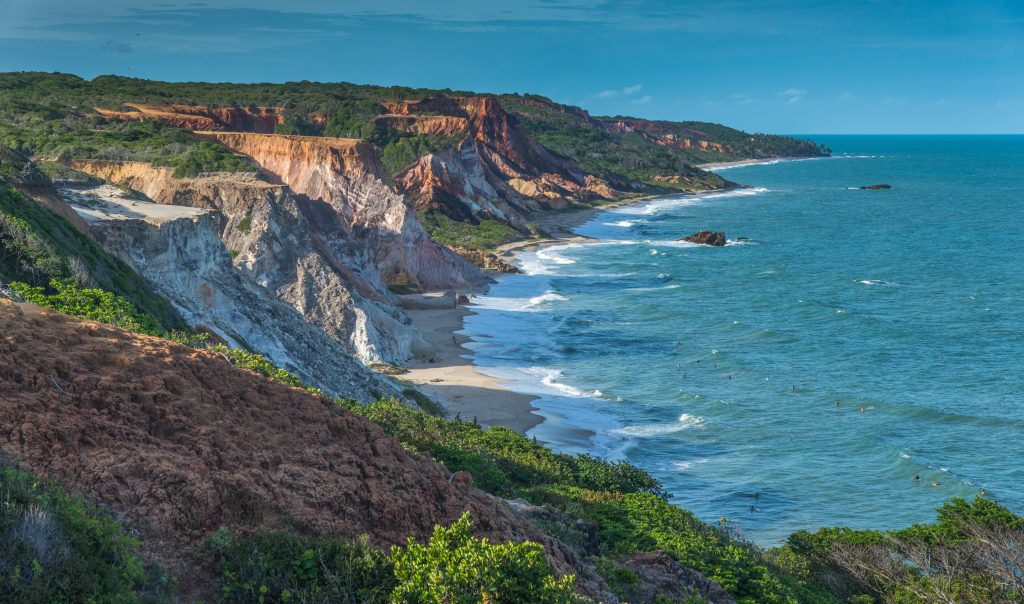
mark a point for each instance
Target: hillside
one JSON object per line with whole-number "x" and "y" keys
{"x": 460, "y": 156}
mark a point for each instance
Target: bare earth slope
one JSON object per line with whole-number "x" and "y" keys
{"x": 181, "y": 443}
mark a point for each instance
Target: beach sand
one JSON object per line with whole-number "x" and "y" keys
{"x": 454, "y": 382}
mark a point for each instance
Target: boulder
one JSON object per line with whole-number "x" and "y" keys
{"x": 712, "y": 238}
{"x": 662, "y": 577}
{"x": 876, "y": 187}
{"x": 431, "y": 301}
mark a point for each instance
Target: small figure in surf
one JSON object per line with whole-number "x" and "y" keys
{"x": 917, "y": 478}
{"x": 837, "y": 402}
{"x": 936, "y": 484}
{"x": 862, "y": 409}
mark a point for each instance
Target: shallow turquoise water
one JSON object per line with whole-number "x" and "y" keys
{"x": 717, "y": 369}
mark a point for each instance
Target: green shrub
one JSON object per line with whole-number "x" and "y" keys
{"x": 92, "y": 304}
{"x": 207, "y": 157}
{"x": 286, "y": 567}
{"x": 483, "y": 235}
{"x": 57, "y": 548}
{"x": 258, "y": 363}
{"x": 456, "y": 568}
{"x": 500, "y": 460}
{"x": 245, "y": 223}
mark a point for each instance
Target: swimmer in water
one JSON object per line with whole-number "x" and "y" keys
{"x": 984, "y": 492}
{"x": 837, "y": 402}
{"x": 935, "y": 484}
{"x": 917, "y": 478}
{"x": 862, "y": 409}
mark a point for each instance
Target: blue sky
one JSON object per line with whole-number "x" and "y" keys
{"x": 803, "y": 66}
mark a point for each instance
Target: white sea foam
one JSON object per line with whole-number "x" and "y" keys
{"x": 876, "y": 282}
{"x": 684, "y": 422}
{"x": 621, "y": 223}
{"x": 548, "y": 296}
{"x": 682, "y": 466}
{"x": 548, "y": 376}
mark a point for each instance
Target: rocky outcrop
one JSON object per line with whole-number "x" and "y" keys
{"x": 875, "y": 187}
{"x": 179, "y": 443}
{"x": 497, "y": 171}
{"x": 198, "y": 117}
{"x": 178, "y": 250}
{"x": 281, "y": 241}
{"x": 712, "y": 238}
{"x": 484, "y": 259}
{"x": 662, "y": 578}
{"x": 359, "y": 215}
{"x": 434, "y": 125}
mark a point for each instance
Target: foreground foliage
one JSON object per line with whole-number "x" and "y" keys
{"x": 57, "y": 548}
{"x": 453, "y": 567}
{"x": 973, "y": 553}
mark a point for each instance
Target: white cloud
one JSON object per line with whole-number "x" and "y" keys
{"x": 792, "y": 95}
{"x": 615, "y": 92}
{"x": 643, "y": 100}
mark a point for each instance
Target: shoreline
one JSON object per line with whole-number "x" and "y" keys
{"x": 722, "y": 165}
{"x": 453, "y": 380}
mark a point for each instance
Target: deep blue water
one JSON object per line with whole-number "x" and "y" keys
{"x": 718, "y": 369}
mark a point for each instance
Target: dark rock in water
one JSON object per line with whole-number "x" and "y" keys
{"x": 713, "y": 238}
{"x": 662, "y": 577}
{"x": 876, "y": 187}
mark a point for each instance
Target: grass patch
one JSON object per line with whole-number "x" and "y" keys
{"x": 425, "y": 402}
{"x": 485, "y": 234}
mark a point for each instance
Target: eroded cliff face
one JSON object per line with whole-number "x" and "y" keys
{"x": 496, "y": 171}
{"x": 270, "y": 232}
{"x": 354, "y": 210}
{"x": 667, "y": 134}
{"x": 180, "y": 253}
{"x": 198, "y": 117}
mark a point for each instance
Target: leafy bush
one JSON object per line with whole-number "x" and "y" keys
{"x": 500, "y": 460}
{"x": 973, "y": 553}
{"x": 286, "y": 567}
{"x": 207, "y": 157}
{"x": 456, "y": 568}
{"x": 258, "y": 363}
{"x": 57, "y": 548}
{"x": 92, "y": 304}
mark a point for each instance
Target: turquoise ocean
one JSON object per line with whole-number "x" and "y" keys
{"x": 717, "y": 370}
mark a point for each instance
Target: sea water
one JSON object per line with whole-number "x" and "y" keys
{"x": 718, "y": 370}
